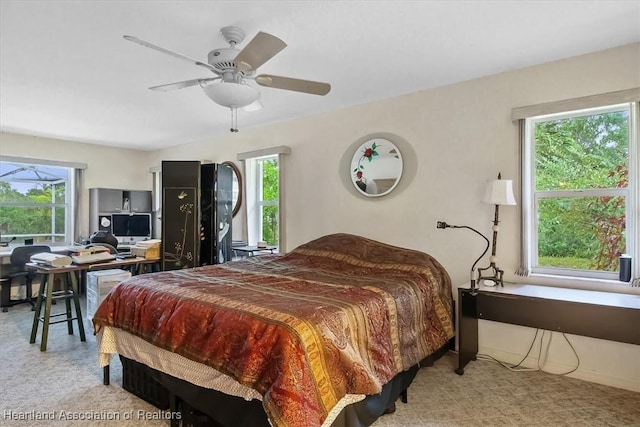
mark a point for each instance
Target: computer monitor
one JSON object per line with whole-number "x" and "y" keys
{"x": 131, "y": 228}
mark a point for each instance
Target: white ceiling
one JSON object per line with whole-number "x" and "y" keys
{"x": 66, "y": 72}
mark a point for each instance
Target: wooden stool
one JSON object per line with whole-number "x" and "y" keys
{"x": 47, "y": 295}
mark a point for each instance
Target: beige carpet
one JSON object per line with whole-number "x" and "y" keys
{"x": 65, "y": 382}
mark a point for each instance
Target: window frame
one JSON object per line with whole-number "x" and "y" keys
{"x": 531, "y": 197}
{"x": 70, "y": 203}
{"x": 253, "y": 194}
{"x": 259, "y": 199}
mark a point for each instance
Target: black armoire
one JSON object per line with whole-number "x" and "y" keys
{"x": 196, "y": 214}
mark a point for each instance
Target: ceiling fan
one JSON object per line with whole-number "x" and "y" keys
{"x": 232, "y": 68}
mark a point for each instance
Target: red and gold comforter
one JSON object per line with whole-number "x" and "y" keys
{"x": 339, "y": 315}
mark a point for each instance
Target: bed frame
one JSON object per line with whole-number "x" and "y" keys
{"x": 202, "y": 407}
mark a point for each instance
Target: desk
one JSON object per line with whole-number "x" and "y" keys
{"x": 5, "y": 256}
{"x": 605, "y": 315}
{"x": 138, "y": 262}
{"x": 252, "y": 250}
{"x": 71, "y": 272}
{"x": 5, "y": 252}
{"x": 140, "y": 265}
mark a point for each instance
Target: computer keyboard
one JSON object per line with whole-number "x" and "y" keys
{"x": 93, "y": 258}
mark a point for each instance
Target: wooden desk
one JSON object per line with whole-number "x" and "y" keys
{"x": 140, "y": 265}
{"x": 5, "y": 256}
{"x": 605, "y": 315}
{"x": 252, "y": 250}
{"x": 70, "y": 273}
{"x": 116, "y": 263}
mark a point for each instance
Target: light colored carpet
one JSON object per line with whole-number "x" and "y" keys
{"x": 65, "y": 382}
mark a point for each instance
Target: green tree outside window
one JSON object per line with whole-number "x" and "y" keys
{"x": 581, "y": 153}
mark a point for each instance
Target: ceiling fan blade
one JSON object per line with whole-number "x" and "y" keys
{"x": 172, "y": 53}
{"x": 183, "y": 84}
{"x": 298, "y": 85}
{"x": 260, "y": 49}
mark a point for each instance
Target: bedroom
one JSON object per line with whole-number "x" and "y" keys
{"x": 461, "y": 135}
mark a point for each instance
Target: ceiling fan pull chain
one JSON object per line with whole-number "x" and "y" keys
{"x": 234, "y": 120}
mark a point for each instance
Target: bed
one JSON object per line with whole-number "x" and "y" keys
{"x": 306, "y": 335}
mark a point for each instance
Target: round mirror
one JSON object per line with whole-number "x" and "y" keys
{"x": 376, "y": 167}
{"x": 236, "y": 195}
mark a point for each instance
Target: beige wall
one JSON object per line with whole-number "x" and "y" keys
{"x": 461, "y": 136}
{"x": 107, "y": 167}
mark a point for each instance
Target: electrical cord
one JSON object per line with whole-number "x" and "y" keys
{"x": 518, "y": 368}
{"x": 575, "y": 353}
{"x": 505, "y": 365}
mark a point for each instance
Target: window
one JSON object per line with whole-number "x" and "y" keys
{"x": 37, "y": 201}
{"x": 263, "y": 170}
{"x": 267, "y": 186}
{"x": 580, "y": 185}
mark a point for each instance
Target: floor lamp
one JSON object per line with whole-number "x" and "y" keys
{"x": 499, "y": 192}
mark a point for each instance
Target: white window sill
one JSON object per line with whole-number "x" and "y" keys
{"x": 584, "y": 283}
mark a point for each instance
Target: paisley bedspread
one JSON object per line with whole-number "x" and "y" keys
{"x": 338, "y": 315}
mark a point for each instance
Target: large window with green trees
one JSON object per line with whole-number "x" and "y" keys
{"x": 36, "y": 202}
{"x": 267, "y": 201}
{"x": 264, "y": 194}
{"x": 579, "y": 191}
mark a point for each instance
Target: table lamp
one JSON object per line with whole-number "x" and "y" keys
{"x": 499, "y": 192}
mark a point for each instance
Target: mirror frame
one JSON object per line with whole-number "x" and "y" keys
{"x": 359, "y": 149}
{"x": 236, "y": 171}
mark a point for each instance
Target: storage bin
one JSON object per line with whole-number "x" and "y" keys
{"x": 137, "y": 379}
{"x": 99, "y": 284}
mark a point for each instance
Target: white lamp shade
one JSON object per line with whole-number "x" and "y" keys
{"x": 500, "y": 192}
{"x": 231, "y": 95}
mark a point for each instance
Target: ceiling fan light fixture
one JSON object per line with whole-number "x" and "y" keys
{"x": 230, "y": 94}
{"x": 255, "y": 106}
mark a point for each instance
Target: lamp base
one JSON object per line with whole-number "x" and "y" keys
{"x": 495, "y": 277}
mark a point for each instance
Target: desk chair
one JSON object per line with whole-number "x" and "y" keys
{"x": 19, "y": 257}
{"x": 105, "y": 237}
